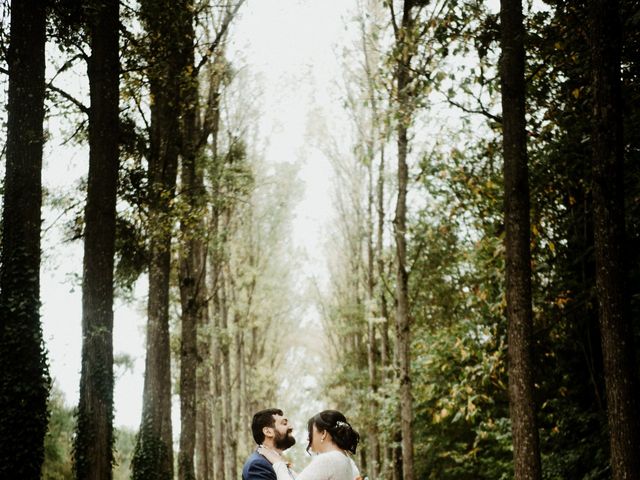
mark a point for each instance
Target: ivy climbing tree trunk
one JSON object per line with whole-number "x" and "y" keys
{"x": 24, "y": 377}
{"x": 518, "y": 256}
{"x": 165, "y": 22}
{"x": 94, "y": 439}
{"x": 609, "y": 236}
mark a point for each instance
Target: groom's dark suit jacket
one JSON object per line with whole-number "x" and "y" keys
{"x": 258, "y": 468}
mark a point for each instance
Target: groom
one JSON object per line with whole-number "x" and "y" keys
{"x": 270, "y": 429}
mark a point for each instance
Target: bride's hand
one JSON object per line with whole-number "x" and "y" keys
{"x": 270, "y": 455}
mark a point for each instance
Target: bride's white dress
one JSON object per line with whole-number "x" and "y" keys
{"x": 333, "y": 465}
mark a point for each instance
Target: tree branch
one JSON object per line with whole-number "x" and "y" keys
{"x": 61, "y": 92}
{"x": 481, "y": 111}
{"x": 223, "y": 30}
{"x": 83, "y": 108}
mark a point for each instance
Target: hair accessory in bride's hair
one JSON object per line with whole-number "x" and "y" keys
{"x": 340, "y": 423}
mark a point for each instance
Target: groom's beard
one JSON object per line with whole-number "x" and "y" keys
{"x": 282, "y": 442}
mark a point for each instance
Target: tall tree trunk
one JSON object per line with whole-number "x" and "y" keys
{"x": 609, "y": 232}
{"x": 372, "y": 350}
{"x": 93, "y": 456}
{"x": 385, "y": 356}
{"x": 24, "y": 377}
{"x": 209, "y": 415}
{"x": 216, "y": 350}
{"x": 204, "y": 430}
{"x": 192, "y": 274}
{"x": 165, "y": 22}
{"x": 230, "y": 437}
{"x": 243, "y": 417}
{"x": 518, "y": 257}
{"x": 403, "y": 321}
{"x": 218, "y": 405}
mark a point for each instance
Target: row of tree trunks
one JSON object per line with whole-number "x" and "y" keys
{"x": 168, "y": 24}
{"x": 24, "y": 379}
{"x": 210, "y": 456}
{"x": 94, "y": 440}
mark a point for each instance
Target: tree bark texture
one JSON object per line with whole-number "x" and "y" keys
{"x": 93, "y": 456}
{"x": 24, "y": 377}
{"x": 403, "y": 320}
{"x": 218, "y": 405}
{"x": 230, "y": 439}
{"x": 609, "y": 235}
{"x": 216, "y": 347}
{"x": 192, "y": 274}
{"x": 518, "y": 257}
{"x": 372, "y": 350}
{"x": 385, "y": 347}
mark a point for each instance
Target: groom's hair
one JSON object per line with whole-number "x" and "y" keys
{"x": 264, "y": 418}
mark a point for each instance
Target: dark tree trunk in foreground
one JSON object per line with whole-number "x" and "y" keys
{"x": 24, "y": 378}
{"x": 403, "y": 321}
{"x": 165, "y": 22}
{"x": 94, "y": 440}
{"x": 609, "y": 232}
{"x": 518, "y": 256}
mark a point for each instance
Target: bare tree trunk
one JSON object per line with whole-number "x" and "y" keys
{"x": 216, "y": 355}
{"x": 243, "y": 417}
{"x": 518, "y": 257}
{"x": 218, "y": 422}
{"x": 204, "y": 433}
{"x": 372, "y": 353}
{"x": 609, "y": 231}
{"x": 385, "y": 356}
{"x": 229, "y": 439}
{"x": 24, "y": 377}
{"x": 403, "y": 321}
{"x": 93, "y": 455}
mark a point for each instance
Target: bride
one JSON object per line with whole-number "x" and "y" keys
{"x": 331, "y": 438}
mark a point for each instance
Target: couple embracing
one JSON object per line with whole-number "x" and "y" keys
{"x": 331, "y": 440}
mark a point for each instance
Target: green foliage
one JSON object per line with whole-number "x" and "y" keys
{"x": 124, "y": 449}
{"x": 461, "y": 410}
{"x": 58, "y": 443}
{"x": 455, "y": 233}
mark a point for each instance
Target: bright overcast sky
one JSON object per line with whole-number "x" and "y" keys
{"x": 290, "y": 47}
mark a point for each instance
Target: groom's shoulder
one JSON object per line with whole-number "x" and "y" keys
{"x": 257, "y": 467}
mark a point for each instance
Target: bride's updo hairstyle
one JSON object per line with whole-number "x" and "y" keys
{"x": 336, "y": 424}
